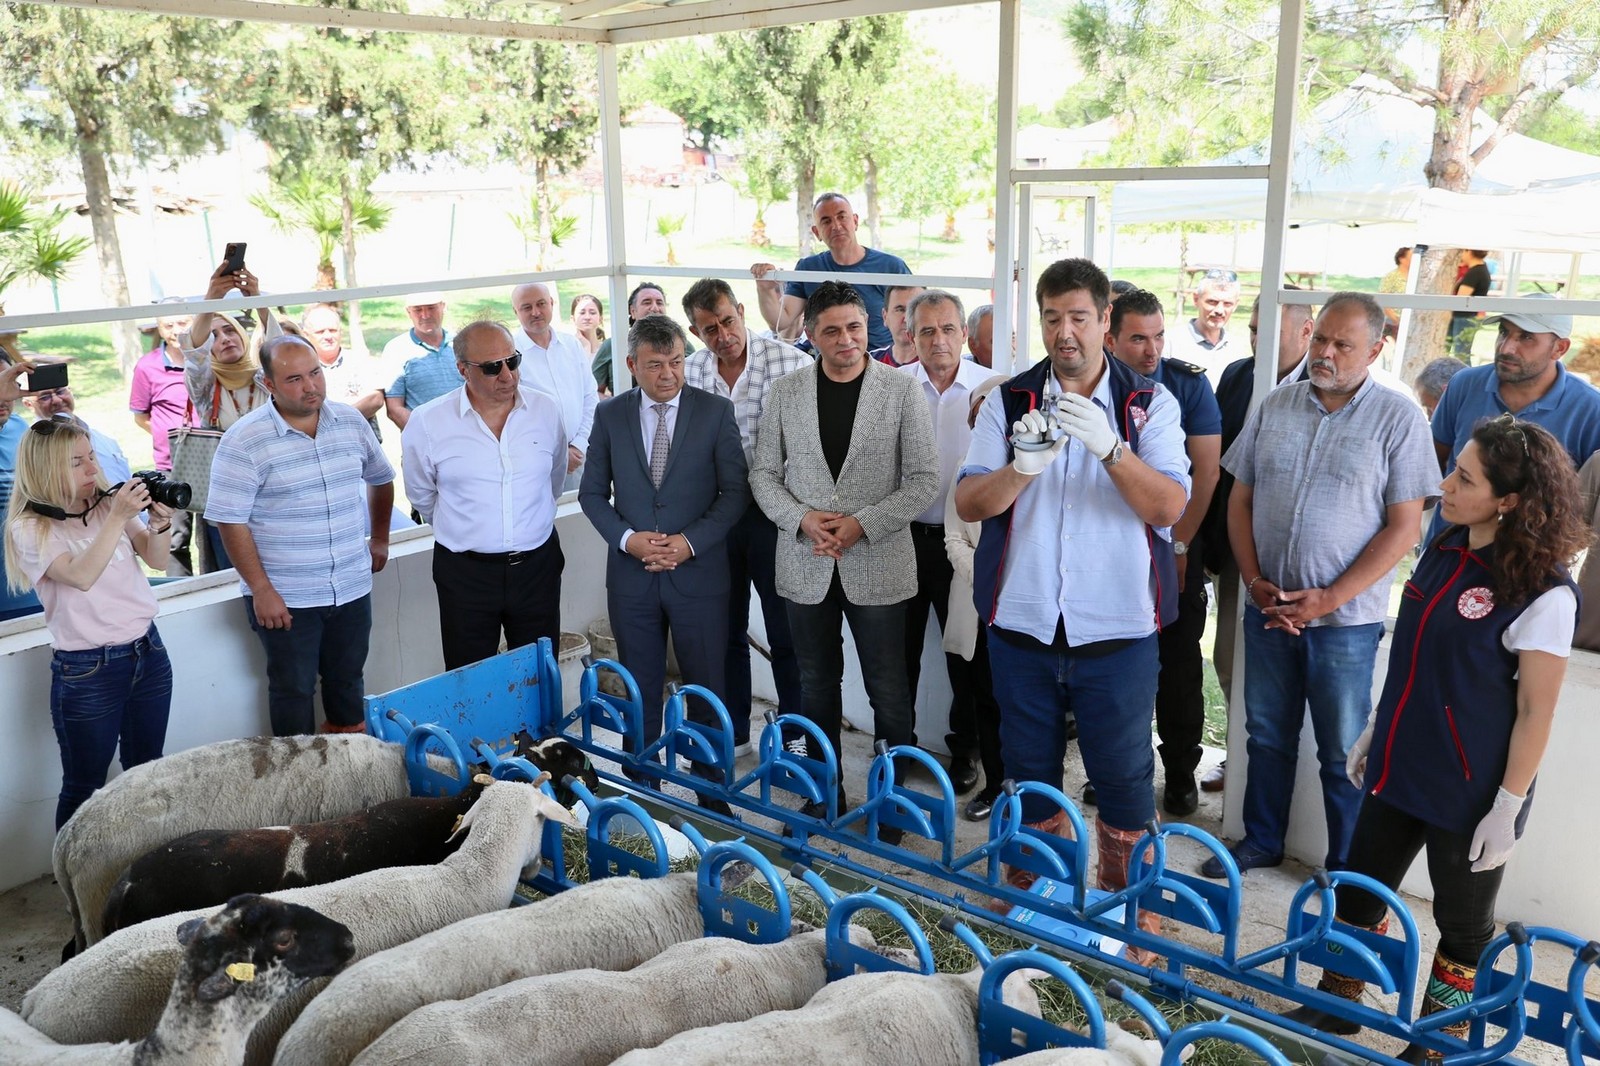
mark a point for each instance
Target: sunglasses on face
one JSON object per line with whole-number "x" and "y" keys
{"x": 46, "y": 426}
{"x": 492, "y": 369}
{"x": 1220, "y": 275}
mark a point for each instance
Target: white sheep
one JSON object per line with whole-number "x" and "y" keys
{"x": 1122, "y": 1049}
{"x": 589, "y": 1017}
{"x": 236, "y": 784}
{"x": 113, "y": 990}
{"x": 612, "y": 924}
{"x": 882, "y": 1018}
{"x": 237, "y": 964}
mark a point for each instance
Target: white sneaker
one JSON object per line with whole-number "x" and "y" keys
{"x": 795, "y": 745}
{"x": 741, "y": 750}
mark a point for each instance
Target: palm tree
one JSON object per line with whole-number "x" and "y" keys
{"x": 530, "y": 223}
{"x": 667, "y": 226}
{"x": 31, "y": 249}
{"x": 311, "y": 204}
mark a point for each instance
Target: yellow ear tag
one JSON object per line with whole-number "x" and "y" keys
{"x": 457, "y": 827}
{"x": 241, "y": 971}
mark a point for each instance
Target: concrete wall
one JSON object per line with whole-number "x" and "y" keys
{"x": 1551, "y": 877}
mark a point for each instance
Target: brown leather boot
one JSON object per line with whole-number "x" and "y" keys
{"x": 1116, "y": 848}
{"x": 1449, "y": 986}
{"x": 1055, "y": 825}
{"x": 330, "y": 727}
{"x": 1342, "y": 986}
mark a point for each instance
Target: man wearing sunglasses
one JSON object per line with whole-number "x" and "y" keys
{"x": 1205, "y": 339}
{"x": 556, "y": 365}
{"x": 483, "y": 465}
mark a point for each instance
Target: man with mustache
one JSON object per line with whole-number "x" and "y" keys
{"x": 1205, "y": 339}
{"x": 1331, "y": 474}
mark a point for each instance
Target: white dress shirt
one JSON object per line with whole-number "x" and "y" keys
{"x": 479, "y": 492}
{"x": 561, "y": 371}
{"x": 647, "y": 427}
{"x": 951, "y": 434}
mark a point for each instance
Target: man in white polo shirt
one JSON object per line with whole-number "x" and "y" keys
{"x": 283, "y": 496}
{"x": 483, "y": 465}
{"x": 556, "y": 365}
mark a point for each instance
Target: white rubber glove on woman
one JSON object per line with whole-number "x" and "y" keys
{"x": 1030, "y": 440}
{"x": 1355, "y": 763}
{"x": 1496, "y": 835}
{"x": 1080, "y": 417}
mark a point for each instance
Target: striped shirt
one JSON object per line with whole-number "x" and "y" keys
{"x": 298, "y": 496}
{"x": 766, "y": 360}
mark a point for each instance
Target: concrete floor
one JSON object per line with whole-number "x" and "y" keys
{"x": 34, "y": 922}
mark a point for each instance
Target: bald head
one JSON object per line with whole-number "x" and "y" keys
{"x": 535, "y": 309}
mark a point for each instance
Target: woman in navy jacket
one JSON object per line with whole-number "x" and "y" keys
{"x": 1479, "y": 652}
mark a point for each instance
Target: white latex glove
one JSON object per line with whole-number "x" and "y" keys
{"x": 1355, "y": 764}
{"x": 1496, "y": 835}
{"x": 1079, "y": 417}
{"x": 1030, "y": 440}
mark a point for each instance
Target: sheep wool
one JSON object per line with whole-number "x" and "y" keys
{"x": 612, "y": 924}
{"x": 589, "y": 1017}
{"x": 236, "y": 784}
{"x": 887, "y": 1019}
{"x": 1122, "y": 1049}
{"x": 114, "y": 990}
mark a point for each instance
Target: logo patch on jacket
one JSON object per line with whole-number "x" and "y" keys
{"x": 1139, "y": 417}
{"x": 1475, "y": 603}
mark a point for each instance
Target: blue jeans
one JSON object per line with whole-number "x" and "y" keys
{"x": 1329, "y": 669}
{"x": 1111, "y": 697}
{"x": 330, "y": 641}
{"x": 101, "y": 698}
{"x": 752, "y": 546}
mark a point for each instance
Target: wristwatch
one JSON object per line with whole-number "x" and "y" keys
{"x": 1114, "y": 456}
{"x": 1180, "y": 548}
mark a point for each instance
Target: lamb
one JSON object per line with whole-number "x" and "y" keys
{"x": 207, "y": 868}
{"x": 1122, "y": 1049}
{"x": 237, "y": 784}
{"x": 589, "y": 1017}
{"x": 881, "y": 1018}
{"x": 236, "y": 965}
{"x": 612, "y": 924}
{"x": 113, "y": 990}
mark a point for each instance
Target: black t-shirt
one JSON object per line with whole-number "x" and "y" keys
{"x": 836, "y": 416}
{"x": 1478, "y": 277}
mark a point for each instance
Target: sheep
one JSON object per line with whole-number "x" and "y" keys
{"x": 236, "y": 784}
{"x": 112, "y": 990}
{"x": 589, "y": 1017}
{"x": 612, "y": 924}
{"x": 207, "y": 868}
{"x": 1122, "y": 1048}
{"x": 881, "y": 1018}
{"x": 236, "y": 965}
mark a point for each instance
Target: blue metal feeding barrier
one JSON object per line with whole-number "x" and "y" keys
{"x": 522, "y": 691}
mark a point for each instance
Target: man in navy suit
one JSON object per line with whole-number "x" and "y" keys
{"x": 664, "y": 482}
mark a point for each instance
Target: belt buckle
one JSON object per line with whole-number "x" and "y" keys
{"x": 513, "y": 558}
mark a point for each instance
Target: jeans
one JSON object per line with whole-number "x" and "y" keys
{"x": 330, "y": 641}
{"x": 101, "y": 698}
{"x": 879, "y": 633}
{"x": 1386, "y": 840}
{"x": 934, "y": 574}
{"x": 752, "y": 550}
{"x": 1037, "y": 687}
{"x": 1329, "y": 669}
{"x": 217, "y": 552}
{"x": 1180, "y": 692}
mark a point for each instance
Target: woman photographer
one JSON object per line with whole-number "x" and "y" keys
{"x": 75, "y": 541}
{"x": 1480, "y": 649}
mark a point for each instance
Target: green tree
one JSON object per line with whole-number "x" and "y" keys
{"x": 1193, "y": 82}
{"x": 110, "y": 90}
{"x": 531, "y": 223}
{"x": 934, "y": 159}
{"x": 311, "y": 204}
{"x": 878, "y": 78}
{"x": 681, "y": 77}
{"x": 31, "y": 246}
{"x": 537, "y": 100}
{"x": 766, "y": 178}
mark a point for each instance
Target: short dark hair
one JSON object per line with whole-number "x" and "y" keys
{"x": 270, "y": 349}
{"x": 935, "y": 296}
{"x": 705, "y": 295}
{"x": 655, "y": 331}
{"x": 1133, "y": 302}
{"x": 1071, "y": 275}
{"x": 1436, "y": 375}
{"x": 637, "y": 289}
{"x": 464, "y": 336}
{"x": 824, "y": 197}
{"x": 1400, "y": 253}
{"x": 828, "y": 295}
{"x": 1369, "y": 306}
{"x": 1120, "y": 286}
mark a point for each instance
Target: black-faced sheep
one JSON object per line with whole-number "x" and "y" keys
{"x": 237, "y": 964}
{"x": 113, "y": 991}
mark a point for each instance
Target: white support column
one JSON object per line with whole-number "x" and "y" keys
{"x": 1005, "y": 192}
{"x": 616, "y": 235}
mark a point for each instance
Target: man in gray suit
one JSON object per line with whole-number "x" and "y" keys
{"x": 663, "y": 482}
{"x": 844, "y": 461}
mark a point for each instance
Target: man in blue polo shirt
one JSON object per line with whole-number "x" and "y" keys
{"x": 1137, "y": 337}
{"x": 1527, "y": 380}
{"x": 421, "y": 358}
{"x": 835, "y": 224}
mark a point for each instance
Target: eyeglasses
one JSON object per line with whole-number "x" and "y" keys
{"x": 46, "y": 426}
{"x": 492, "y": 369}
{"x": 62, "y": 393}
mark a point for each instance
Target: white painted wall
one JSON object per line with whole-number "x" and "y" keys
{"x": 1551, "y": 876}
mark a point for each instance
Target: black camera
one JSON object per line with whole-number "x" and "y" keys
{"x": 163, "y": 490}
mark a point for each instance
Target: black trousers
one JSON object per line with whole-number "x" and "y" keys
{"x": 1385, "y": 842}
{"x": 1180, "y": 689}
{"x": 482, "y": 594}
{"x": 980, "y": 682}
{"x": 641, "y": 621}
{"x": 934, "y": 574}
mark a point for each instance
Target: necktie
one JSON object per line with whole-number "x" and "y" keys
{"x": 660, "y": 446}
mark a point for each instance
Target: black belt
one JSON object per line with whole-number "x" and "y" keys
{"x": 499, "y": 558}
